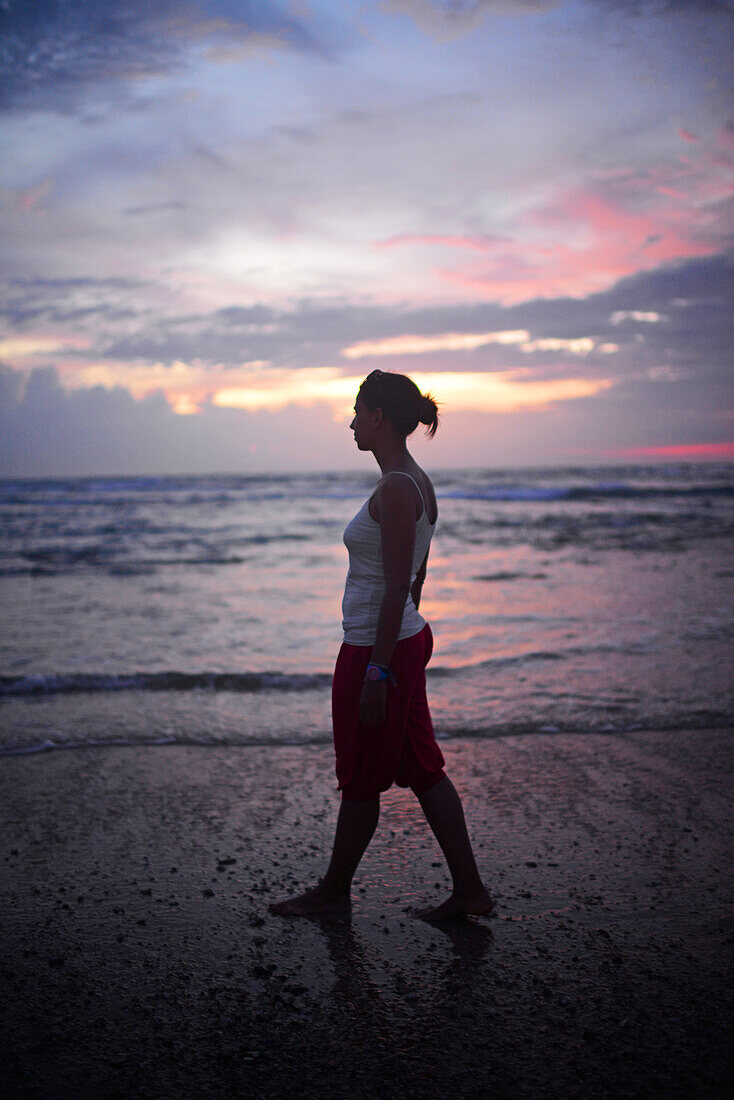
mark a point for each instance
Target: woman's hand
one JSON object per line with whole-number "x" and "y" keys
{"x": 373, "y": 703}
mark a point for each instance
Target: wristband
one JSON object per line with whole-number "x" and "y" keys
{"x": 375, "y": 673}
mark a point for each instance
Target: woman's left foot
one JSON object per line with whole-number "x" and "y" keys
{"x": 313, "y": 903}
{"x": 478, "y": 904}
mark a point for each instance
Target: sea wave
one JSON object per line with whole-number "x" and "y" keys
{"x": 527, "y": 485}
{"x": 171, "y": 680}
{"x": 89, "y": 683}
{"x": 586, "y": 493}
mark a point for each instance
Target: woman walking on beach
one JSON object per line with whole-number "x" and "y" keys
{"x": 382, "y": 725}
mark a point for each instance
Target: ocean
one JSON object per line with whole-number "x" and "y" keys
{"x": 206, "y": 610}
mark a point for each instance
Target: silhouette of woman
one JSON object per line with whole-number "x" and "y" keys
{"x": 382, "y": 725}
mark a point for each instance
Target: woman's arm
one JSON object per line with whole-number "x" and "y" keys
{"x": 397, "y": 529}
{"x": 417, "y": 586}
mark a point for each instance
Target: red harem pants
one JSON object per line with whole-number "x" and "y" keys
{"x": 369, "y": 759}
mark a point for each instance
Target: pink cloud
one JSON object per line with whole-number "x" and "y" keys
{"x": 482, "y": 243}
{"x": 726, "y": 136}
{"x": 671, "y": 191}
{"x": 681, "y": 451}
{"x": 592, "y": 236}
{"x": 687, "y": 135}
{"x": 619, "y": 222}
{"x": 32, "y": 197}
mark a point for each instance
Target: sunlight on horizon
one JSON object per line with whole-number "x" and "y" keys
{"x": 500, "y": 391}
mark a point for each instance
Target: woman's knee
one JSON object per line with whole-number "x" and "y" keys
{"x": 426, "y": 783}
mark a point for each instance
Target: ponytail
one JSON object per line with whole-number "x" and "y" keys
{"x": 428, "y": 414}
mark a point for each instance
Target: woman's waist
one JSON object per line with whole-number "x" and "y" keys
{"x": 363, "y": 630}
{"x": 364, "y": 603}
{"x": 371, "y": 580}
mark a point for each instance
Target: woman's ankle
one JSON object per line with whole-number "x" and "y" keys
{"x": 333, "y": 891}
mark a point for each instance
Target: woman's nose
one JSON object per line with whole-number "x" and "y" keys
{"x": 351, "y": 426}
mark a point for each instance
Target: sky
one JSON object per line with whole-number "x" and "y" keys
{"x": 217, "y": 217}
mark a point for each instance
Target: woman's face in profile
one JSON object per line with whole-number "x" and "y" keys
{"x": 363, "y": 425}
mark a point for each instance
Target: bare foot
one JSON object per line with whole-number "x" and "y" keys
{"x": 312, "y": 904}
{"x": 478, "y": 904}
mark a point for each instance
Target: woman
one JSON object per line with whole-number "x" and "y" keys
{"x": 382, "y": 725}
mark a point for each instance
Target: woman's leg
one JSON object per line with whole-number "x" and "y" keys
{"x": 355, "y": 828}
{"x": 355, "y": 770}
{"x": 442, "y": 806}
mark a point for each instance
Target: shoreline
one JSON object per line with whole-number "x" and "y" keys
{"x": 325, "y": 740}
{"x": 141, "y": 960}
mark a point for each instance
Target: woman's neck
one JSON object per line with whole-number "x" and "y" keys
{"x": 393, "y": 454}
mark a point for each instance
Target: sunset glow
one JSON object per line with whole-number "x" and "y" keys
{"x": 19, "y": 348}
{"x": 504, "y": 392}
{"x": 682, "y": 452}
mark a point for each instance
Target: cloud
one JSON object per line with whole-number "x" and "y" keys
{"x": 48, "y": 430}
{"x": 579, "y": 238}
{"x": 130, "y": 332}
{"x": 598, "y": 233}
{"x": 445, "y": 19}
{"x": 613, "y": 334}
{"x": 495, "y": 392}
{"x": 444, "y": 341}
{"x": 621, "y": 315}
{"x": 582, "y": 345}
{"x": 52, "y": 51}
{"x": 426, "y": 191}
{"x": 680, "y": 452}
{"x": 449, "y": 18}
{"x": 478, "y": 243}
{"x": 30, "y": 301}
{"x": 153, "y": 208}
{"x": 657, "y": 7}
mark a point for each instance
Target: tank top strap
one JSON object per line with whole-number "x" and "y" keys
{"x": 420, "y": 491}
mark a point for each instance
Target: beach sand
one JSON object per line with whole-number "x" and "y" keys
{"x": 140, "y": 960}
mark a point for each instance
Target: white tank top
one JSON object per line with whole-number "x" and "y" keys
{"x": 365, "y": 585}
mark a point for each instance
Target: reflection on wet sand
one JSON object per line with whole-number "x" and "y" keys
{"x": 418, "y": 976}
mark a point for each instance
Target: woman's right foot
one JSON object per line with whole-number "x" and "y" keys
{"x": 477, "y": 904}
{"x": 313, "y": 903}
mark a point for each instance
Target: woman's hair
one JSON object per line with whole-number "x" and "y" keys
{"x": 401, "y": 401}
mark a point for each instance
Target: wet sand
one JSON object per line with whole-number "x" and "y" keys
{"x": 140, "y": 960}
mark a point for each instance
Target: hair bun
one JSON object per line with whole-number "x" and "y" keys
{"x": 428, "y": 413}
{"x": 427, "y": 408}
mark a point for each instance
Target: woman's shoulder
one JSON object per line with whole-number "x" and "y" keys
{"x": 404, "y": 483}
